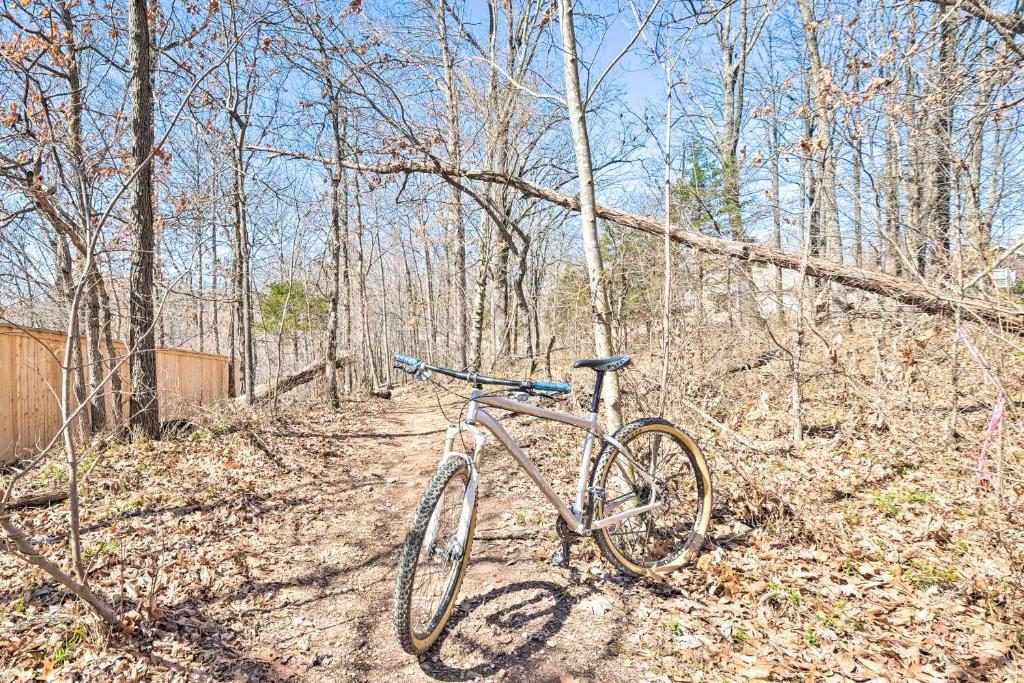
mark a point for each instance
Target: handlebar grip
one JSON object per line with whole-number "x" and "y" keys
{"x": 560, "y": 387}
{"x": 406, "y": 360}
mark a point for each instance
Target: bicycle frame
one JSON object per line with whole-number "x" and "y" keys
{"x": 572, "y": 513}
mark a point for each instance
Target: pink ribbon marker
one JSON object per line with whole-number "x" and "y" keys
{"x": 981, "y": 471}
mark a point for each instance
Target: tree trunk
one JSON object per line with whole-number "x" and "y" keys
{"x": 214, "y": 269}
{"x": 941, "y": 141}
{"x": 915, "y": 123}
{"x": 457, "y": 229}
{"x": 775, "y": 152}
{"x": 666, "y": 291}
{"x": 66, "y": 287}
{"x": 499, "y": 301}
{"x": 339, "y": 122}
{"x": 480, "y": 299}
{"x": 346, "y": 277}
{"x": 588, "y": 214}
{"x": 892, "y": 262}
{"x": 821, "y": 81}
{"x": 97, "y": 405}
{"x": 116, "y": 390}
{"x": 76, "y": 95}
{"x": 978, "y": 236}
{"x": 431, "y": 314}
{"x": 233, "y": 368}
{"x": 244, "y": 280}
{"x": 385, "y": 337}
{"x": 144, "y": 413}
{"x": 858, "y": 162}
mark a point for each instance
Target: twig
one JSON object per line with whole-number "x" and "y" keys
{"x": 754, "y": 445}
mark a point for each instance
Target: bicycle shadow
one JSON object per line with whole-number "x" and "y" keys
{"x": 542, "y": 600}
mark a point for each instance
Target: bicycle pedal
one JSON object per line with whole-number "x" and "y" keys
{"x": 560, "y": 558}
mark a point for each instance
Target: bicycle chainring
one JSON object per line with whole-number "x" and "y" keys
{"x": 564, "y": 531}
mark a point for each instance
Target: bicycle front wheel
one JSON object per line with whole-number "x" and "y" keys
{"x": 433, "y": 560}
{"x": 662, "y": 539}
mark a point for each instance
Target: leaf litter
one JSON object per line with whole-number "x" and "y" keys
{"x": 232, "y": 565}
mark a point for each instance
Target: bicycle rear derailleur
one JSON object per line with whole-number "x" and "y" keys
{"x": 560, "y": 558}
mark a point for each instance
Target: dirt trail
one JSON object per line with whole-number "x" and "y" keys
{"x": 324, "y": 590}
{"x": 266, "y": 551}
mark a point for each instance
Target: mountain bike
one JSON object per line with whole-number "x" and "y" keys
{"x": 646, "y": 501}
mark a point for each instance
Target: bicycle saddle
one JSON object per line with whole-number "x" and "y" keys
{"x": 604, "y": 364}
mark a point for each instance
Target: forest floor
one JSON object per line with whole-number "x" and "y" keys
{"x": 269, "y": 554}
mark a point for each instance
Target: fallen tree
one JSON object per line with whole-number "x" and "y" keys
{"x": 1004, "y": 314}
{"x": 264, "y": 392}
{"x": 32, "y": 500}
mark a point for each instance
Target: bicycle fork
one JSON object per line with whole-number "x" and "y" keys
{"x": 469, "y": 501}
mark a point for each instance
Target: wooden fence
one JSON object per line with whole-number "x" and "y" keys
{"x": 30, "y": 362}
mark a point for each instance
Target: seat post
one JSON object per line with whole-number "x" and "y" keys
{"x": 595, "y": 403}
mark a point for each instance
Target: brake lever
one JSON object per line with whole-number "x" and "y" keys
{"x": 417, "y": 374}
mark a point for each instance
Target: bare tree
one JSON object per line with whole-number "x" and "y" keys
{"x": 825, "y": 216}
{"x": 588, "y": 212}
{"x": 457, "y": 228}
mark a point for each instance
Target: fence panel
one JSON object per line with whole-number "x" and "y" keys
{"x": 30, "y": 361}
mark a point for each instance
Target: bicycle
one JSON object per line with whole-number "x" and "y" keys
{"x": 625, "y": 501}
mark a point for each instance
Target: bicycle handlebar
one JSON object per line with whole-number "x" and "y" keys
{"x": 406, "y": 360}
{"x": 415, "y": 365}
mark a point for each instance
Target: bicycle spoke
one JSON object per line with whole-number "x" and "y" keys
{"x": 439, "y": 562}
{"x": 612, "y": 504}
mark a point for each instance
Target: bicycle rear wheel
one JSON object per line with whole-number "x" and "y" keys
{"x": 433, "y": 562}
{"x": 664, "y": 538}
